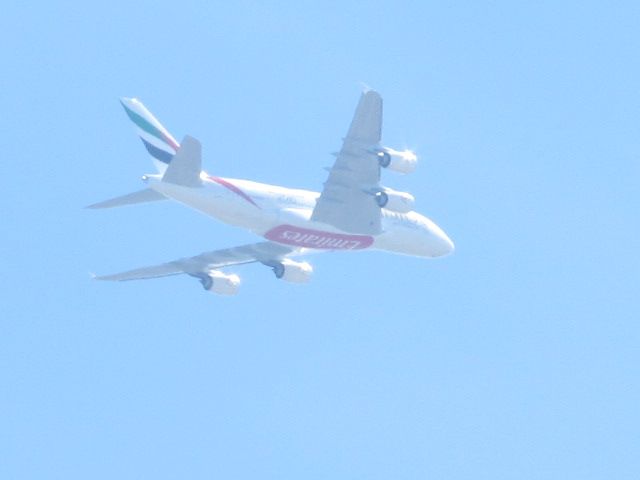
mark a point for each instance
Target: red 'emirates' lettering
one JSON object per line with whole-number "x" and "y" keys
{"x": 303, "y": 237}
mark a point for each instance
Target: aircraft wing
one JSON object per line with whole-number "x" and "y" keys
{"x": 201, "y": 264}
{"x": 346, "y": 201}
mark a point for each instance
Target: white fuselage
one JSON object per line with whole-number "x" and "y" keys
{"x": 283, "y": 215}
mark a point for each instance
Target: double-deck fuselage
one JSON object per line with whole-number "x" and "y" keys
{"x": 283, "y": 215}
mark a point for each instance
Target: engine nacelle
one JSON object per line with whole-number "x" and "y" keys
{"x": 293, "y": 272}
{"x": 221, "y": 283}
{"x": 401, "y": 202}
{"x": 399, "y": 161}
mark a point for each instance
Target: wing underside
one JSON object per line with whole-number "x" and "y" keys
{"x": 346, "y": 201}
{"x": 265, "y": 252}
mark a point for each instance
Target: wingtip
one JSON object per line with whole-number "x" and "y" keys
{"x": 129, "y": 102}
{"x": 95, "y": 276}
{"x": 99, "y": 278}
{"x": 367, "y": 90}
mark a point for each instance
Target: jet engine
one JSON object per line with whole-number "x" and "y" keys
{"x": 221, "y": 283}
{"x": 400, "y": 202}
{"x": 293, "y": 272}
{"x": 399, "y": 161}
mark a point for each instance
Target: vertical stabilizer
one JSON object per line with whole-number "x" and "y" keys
{"x": 157, "y": 140}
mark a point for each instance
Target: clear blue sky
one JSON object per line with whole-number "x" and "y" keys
{"x": 518, "y": 357}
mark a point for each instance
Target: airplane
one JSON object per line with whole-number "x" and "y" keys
{"x": 353, "y": 212}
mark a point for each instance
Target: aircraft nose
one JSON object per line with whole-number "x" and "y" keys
{"x": 448, "y": 244}
{"x": 442, "y": 244}
{"x": 436, "y": 243}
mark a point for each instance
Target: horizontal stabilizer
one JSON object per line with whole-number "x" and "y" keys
{"x": 142, "y": 196}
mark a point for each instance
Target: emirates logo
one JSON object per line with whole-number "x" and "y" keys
{"x": 308, "y": 238}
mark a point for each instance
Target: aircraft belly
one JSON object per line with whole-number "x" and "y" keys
{"x": 293, "y": 227}
{"x": 214, "y": 204}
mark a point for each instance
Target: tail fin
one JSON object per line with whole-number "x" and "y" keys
{"x": 156, "y": 139}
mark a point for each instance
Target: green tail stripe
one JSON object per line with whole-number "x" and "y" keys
{"x": 144, "y": 124}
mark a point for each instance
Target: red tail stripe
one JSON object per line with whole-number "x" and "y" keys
{"x": 234, "y": 189}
